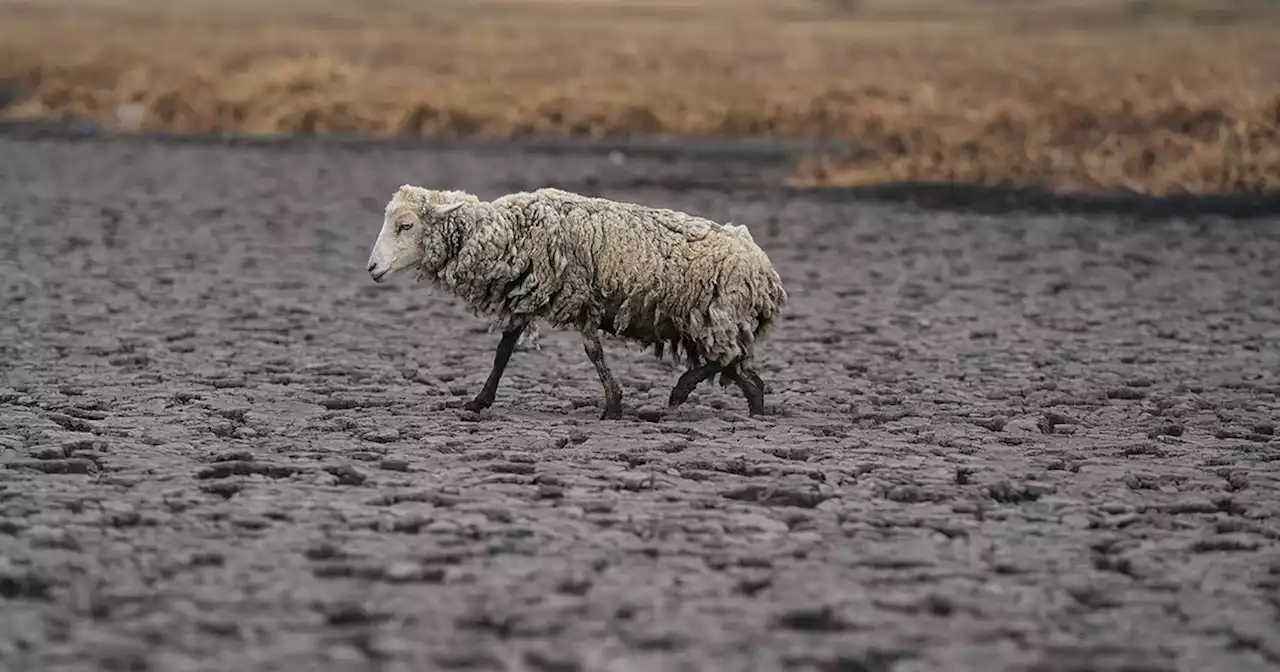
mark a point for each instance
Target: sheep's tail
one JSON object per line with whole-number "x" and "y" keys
{"x": 766, "y": 321}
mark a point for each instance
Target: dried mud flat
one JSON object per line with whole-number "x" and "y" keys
{"x": 1024, "y": 442}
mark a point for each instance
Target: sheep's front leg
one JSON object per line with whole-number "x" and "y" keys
{"x": 689, "y": 380}
{"x": 612, "y": 392}
{"x": 505, "y": 347}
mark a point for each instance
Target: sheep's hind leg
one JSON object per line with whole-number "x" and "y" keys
{"x": 612, "y": 392}
{"x": 505, "y": 347}
{"x": 752, "y": 387}
{"x": 690, "y": 380}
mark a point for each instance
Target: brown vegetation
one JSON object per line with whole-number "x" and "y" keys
{"x": 1146, "y": 95}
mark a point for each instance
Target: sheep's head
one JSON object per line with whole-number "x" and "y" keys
{"x": 412, "y": 235}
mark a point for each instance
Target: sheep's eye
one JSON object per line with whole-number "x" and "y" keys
{"x": 403, "y": 226}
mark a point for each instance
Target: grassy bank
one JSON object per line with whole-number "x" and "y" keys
{"x": 1148, "y": 96}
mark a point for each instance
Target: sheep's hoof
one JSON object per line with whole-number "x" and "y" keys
{"x": 611, "y": 413}
{"x": 677, "y": 397}
{"x": 476, "y": 405}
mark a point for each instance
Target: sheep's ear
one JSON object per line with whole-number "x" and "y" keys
{"x": 446, "y": 209}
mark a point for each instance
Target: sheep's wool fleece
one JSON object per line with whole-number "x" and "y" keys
{"x": 649, "y": 275}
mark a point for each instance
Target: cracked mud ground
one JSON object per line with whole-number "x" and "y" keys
{"x": 997, "y": 443}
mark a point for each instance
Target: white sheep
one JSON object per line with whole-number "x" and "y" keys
{"x": 648, "y": 275}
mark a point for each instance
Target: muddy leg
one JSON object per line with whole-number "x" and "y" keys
{"x": 689, "y": 380}
{"x": 612, "y": 393}
{"x": 490, "y": 390}
{"x": 752, "y": 388}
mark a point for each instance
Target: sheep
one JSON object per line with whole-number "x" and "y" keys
{"x": 647, "y": 275}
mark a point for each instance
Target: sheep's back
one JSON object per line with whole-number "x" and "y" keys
{"x": 645, "y": 273}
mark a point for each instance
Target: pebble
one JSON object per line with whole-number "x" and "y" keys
{"x": 1024, "y": 426}
{"x": 402, "y": 571}
{"x": 48, "y": 453}
{"x": 394, "y": 465}
{"x": 381, "y": 435}
{"x": 633, "y": 480}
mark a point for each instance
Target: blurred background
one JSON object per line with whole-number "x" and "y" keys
{"x": 1149, "y": 96}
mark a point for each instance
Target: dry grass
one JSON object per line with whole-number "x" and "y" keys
{"x": 1143, "y": 95}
